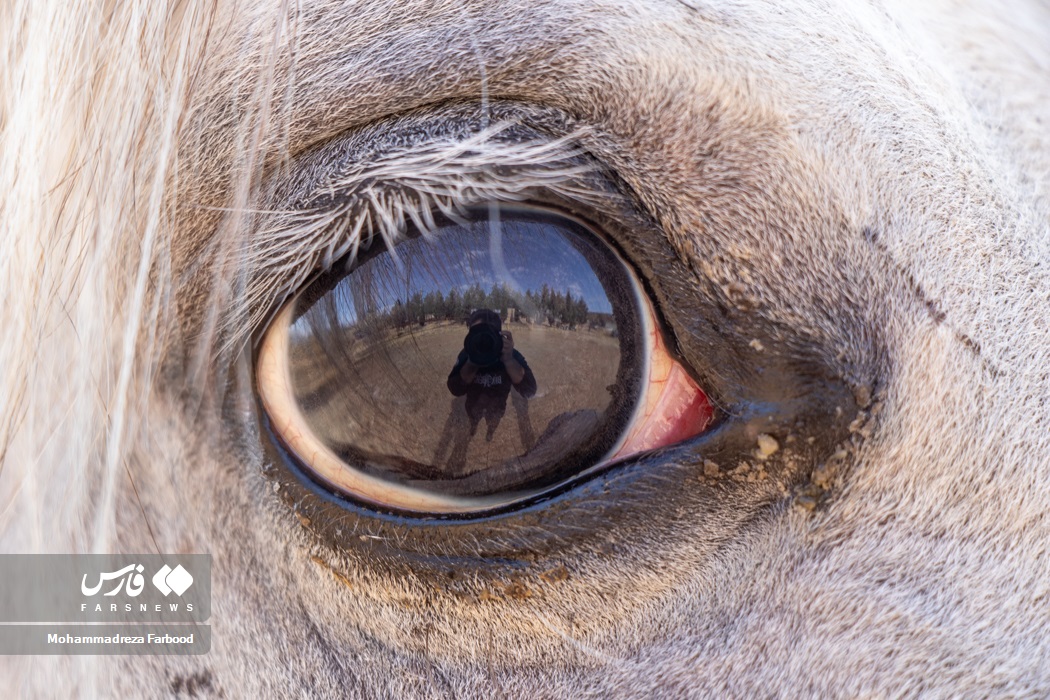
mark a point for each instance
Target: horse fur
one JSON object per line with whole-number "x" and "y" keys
{"x": 872, "y": 177}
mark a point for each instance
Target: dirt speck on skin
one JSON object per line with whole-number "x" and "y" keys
{"x": 740, "y": 473}
{"x": 517, "y": 590}
{"x": 555, "y": 575}
{"x": 710, "y": 468}
{"x": 806, "y": 501}
{"x": 757, "y": 345}
{"x": 862, "y": 395}
{"x": 824, "y": 476}
{"x": 767, "y": 445}
{"x": 738, "y": 295}
{"x": 828, "y": 476}
{"x": 335, "y": 574}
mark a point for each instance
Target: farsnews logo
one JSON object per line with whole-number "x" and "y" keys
{"x": 130, "y": 574}
{"x": 166, "y": 580}
{"x": 126, "y": 587}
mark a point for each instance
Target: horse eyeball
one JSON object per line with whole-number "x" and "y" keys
{"x": 472, "y": 366}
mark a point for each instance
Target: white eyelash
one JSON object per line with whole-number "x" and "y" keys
{"x": 382, "y": 196}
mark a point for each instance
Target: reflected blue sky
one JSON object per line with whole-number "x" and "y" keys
{"x": 523, "y": 255}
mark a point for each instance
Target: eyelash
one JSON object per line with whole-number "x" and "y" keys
{"x": 313, "y": 225}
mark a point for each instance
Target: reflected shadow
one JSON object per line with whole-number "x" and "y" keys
{"x": 455, "y": 435}
{"x": 460, "y": 428}
{"x": 521, "y": 412}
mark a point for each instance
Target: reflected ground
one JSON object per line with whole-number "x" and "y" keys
{"x": 394, "y": 402}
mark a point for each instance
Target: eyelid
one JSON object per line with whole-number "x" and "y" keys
{"x": 670, "y": 409}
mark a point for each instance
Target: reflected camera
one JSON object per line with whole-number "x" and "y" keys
{"x": 484, "y": 344}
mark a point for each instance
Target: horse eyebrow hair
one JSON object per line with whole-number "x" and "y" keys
{"x": 312, "y": 225}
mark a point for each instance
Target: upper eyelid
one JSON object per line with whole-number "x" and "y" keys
{"x": 311, "y": 221}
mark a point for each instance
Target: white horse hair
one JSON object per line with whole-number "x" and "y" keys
{"x": 850, "y": 198}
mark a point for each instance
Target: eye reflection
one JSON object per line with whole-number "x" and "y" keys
{"x": 487, "y": 370}
{"x": 492, "y": 358}
{"x": 482, "y": 358}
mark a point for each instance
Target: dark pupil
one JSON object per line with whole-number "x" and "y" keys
{"x": 402, "y": 365}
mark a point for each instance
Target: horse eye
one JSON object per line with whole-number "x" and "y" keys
{"x": 472, "y": 366}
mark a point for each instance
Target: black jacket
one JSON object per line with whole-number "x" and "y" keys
{"x": 491, "y": 386}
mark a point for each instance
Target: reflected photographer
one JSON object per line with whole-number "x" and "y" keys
{"x": 486, "y": 370}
